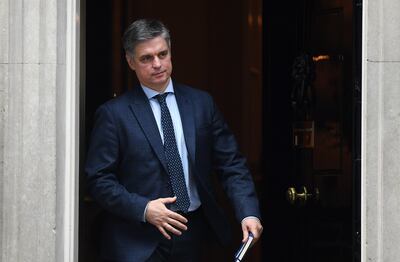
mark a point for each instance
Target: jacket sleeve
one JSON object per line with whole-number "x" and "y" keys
{"x": 232, "y": 169}
{"x": 102, "y": 167}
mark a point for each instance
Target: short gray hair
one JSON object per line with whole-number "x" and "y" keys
{"x": 143, "y": 30}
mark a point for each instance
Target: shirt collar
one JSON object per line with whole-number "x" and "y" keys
{"x": 150, "y": 93}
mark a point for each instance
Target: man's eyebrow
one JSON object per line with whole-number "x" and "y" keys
{"x": 145, "y": 56}
{"x": 150, "y": 55}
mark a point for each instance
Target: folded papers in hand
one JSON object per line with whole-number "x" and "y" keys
{"x": 244, "y": 248}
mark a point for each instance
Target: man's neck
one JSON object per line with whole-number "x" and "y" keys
{"x": 159, "y": 89}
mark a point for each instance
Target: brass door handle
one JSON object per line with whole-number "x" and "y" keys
{"x": 301, "y": 198}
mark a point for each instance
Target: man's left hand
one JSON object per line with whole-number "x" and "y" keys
{"x": 253, "y": 225}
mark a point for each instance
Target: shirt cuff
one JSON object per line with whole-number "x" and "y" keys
{"x": 145, "y": 210}
{"x": 246, "y": 218}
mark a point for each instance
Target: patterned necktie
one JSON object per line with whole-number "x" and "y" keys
{"x": 175, "y": 169}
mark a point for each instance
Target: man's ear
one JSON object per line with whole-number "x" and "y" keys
{"x": 131, "y": 62}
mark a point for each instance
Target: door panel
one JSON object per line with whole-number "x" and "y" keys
{"x": 312, "y": 80}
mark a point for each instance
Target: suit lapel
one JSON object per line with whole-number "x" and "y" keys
{"x": 188, "y": 123}
{"x": 142, "y": 111}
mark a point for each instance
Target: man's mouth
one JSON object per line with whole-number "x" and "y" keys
{"x": 159, "y": 73}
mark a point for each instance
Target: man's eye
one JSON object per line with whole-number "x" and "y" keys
{"x": 163, "y": 54}
{"x": 146, "y": 59}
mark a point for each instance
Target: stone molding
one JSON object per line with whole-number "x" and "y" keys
{"x": 39, "y": 106}
{"x": 381, "y": 131}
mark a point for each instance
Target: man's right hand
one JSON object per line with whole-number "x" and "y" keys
{"x": 164, "y": 219}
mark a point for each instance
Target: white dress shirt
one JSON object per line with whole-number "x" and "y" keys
{"x": 180, "y": 140}
{"x": 179, "y": 136}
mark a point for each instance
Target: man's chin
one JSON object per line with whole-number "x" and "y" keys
{"x": 161, "y": 81}
{"x": 160, "y": 78}
{"x": 158, "y": 85}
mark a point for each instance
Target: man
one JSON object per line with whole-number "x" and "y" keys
{"x": 152, "y": 154}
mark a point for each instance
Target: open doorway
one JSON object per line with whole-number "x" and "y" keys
{"x": 216, "y": 46}
{"x": 243, "y": 52}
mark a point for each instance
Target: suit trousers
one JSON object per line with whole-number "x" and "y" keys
{"x": 187, "y": 247}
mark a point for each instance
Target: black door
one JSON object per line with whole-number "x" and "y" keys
{"x": 311, "y": 130}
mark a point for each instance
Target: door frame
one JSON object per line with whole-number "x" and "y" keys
{"x": 70, "y": 117}
{"x": 68, "y": 106}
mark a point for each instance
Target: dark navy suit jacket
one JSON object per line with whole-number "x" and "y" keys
{"x": 126, "y": 168}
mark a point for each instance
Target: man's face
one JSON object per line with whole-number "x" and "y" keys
{"x": 152, "y": 63}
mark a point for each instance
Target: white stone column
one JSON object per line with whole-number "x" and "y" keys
{"x": 36, "y": 140}
{"x": 381, "y": 131}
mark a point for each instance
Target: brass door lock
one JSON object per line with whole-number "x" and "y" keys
{"x": 302, "y": 197}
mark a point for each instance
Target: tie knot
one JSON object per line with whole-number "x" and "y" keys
{"x": 161, "y": 98}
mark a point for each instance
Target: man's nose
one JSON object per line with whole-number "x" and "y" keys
{"x": 156, "y": 62}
